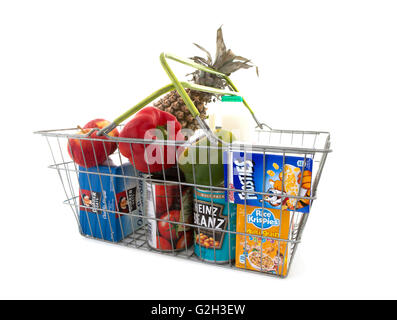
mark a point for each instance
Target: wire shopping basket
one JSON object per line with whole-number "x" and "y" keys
{"x": 253, "y": 220}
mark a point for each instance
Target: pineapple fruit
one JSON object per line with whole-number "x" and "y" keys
{"x": 225, "y": 62}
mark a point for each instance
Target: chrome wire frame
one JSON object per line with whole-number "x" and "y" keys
{"x": 305, "y": 144}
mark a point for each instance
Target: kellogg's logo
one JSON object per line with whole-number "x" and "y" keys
{"x": 263, "y": 219}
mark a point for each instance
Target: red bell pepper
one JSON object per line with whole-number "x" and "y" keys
{"x": 151, "y": 157}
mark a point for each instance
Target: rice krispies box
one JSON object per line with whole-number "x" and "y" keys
{"x": 252, "y": 172}
{"x": 257, "y": 248}
{"x": 100, "y": 192}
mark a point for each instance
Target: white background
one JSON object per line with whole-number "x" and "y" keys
{"x": 324, "y": 65}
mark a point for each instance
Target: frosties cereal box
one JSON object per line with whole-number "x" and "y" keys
{"x": 254, "y": 249}
{"x": 283, "y": 179}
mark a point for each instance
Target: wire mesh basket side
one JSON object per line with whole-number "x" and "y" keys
{"x": 112, "y": 201}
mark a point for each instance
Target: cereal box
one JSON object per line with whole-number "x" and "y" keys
{"x": 250, "y": 173}
{"x": 255, "y": 250}
{"x": 103, "y": 192}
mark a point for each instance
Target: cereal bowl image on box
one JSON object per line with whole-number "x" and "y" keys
{"x": 257, "y": 261}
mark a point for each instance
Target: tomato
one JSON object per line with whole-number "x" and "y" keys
{"x": 165, "y": 197}
{"x": 175, "y": 215}
{"x": 167, "y": 229}
{"x": 161, "y": 206}
{"x": 163, "y": 244}
{"x": 169, "y": 190}
{"x": 182, "y": 243}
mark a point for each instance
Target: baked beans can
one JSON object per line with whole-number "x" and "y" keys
{"x": 169, "y": 209}
{"x": 214, "y": 218}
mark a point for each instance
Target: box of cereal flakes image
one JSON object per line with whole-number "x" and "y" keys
{"x": 285, "y": 180}
{"x": 258, "y": 249}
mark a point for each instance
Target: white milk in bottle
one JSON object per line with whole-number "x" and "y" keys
{"x": 231, "y": 114}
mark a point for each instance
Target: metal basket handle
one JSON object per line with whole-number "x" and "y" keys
{"x": 180, "y": 86}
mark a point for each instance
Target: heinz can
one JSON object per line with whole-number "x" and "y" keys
{"x": 169, "y": 209}
{"x": 214, "y": 217}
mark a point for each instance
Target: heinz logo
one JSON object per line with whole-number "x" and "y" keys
{"x": 263, "y": 219}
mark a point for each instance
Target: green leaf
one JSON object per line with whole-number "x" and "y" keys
{"x": 200, "y": 60}
{"x": 220, "y": 47}
{"x": 226, "y": 58}
{"x": 209, "y": 58}
{"x": 236, "y": 58}
{"x": 234, "y": 66}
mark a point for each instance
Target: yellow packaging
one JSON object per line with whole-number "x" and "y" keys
{"x": 262, "y": 222}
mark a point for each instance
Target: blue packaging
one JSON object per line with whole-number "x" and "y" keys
{"x": 215, "y": 240}
{"x": 248, "y": 173}
{"x": 100, "y": 193}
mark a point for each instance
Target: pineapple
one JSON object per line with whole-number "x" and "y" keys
{"x": 225, "y": 62}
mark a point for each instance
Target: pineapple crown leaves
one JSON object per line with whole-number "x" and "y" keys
{"x": 225, "y": 60}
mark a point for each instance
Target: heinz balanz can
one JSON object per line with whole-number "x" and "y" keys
{"x": 212, "y": 215}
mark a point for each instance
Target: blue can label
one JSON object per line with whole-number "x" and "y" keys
{"x": 214, "y": 218}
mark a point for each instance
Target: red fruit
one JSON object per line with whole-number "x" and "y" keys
{"x": 185, "y": 242}
{"x": 89, "y": 153}
{"x": 175, "y": 215}
{"x": 168, "y": 230}
{"x": 151, "y": 123}
{"x": 169, "y": 190}
{"x": 102, "y": 123}
{"x": 165, "y": 197}
{"x": 161, "y": 206}
{"x": 163, "y": 244}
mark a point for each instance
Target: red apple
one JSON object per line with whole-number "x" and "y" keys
{"x": 89, "y": 153}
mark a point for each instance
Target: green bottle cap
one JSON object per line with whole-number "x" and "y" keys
{"x": 232, "y": 99}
